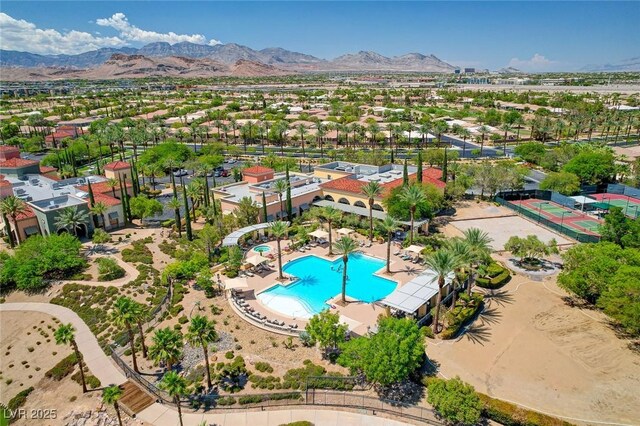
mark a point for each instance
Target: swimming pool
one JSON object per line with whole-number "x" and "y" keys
{"x": 262, "y": 249}
{"x": 320, "y": 279}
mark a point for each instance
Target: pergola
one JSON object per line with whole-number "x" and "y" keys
{"x": 233, "y": 238}
{"x": 420, "y": 290}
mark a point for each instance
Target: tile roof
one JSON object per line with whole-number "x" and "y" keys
{"x": 47, "y": 169}
{"x": 257, "y": 170}
{"x": 117, "y": 165}
{"x": 4, "y": 182}
{"x": 101, "y": 188}
{"x": 106, "y": 199}
{"x": 8, "y": 148}
{"x": 354, "y": 186}
{"x": 26, "y": 214}
{"x": 17, "y": 162}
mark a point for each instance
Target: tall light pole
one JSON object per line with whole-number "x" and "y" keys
{"x": 540, "y": 209}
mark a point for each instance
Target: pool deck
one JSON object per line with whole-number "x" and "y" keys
{"x": 360, "y": 315}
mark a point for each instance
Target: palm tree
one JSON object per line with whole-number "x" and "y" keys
{"x": 176, "y": 386}
{"x": 65, "y": 335}
{"x": 388, "y": 226}
{"x": 71, "y": 218}
{"x": 302, "y": 130}
{"x": 100, "y": 209}
{"x": 480, "y": 243}
{"x": 279, "y": 229}
{"x": 345, "y": 246}
{"x": 464, "y": 252}
{"x": 13, "y": 206}
{"x": 111, "y": 395}
{"x": 112, "y": 183}
{"x": 442, "y": 262}
{"x": 175, "y": 204}
{"x": 280, "y": 187}
{"x": 371, "y": 189}
{"x": 140, "y": 314}
{"x": 167, "y": 347}
{"x": 124, "y": 315}
{"x": 202, "y": 332}
{"x": 331, "y": 214}
{"x": 413, "y": 195}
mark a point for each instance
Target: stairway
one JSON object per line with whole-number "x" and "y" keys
{"x": 134, "y": 399}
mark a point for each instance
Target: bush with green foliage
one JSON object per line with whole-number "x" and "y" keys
{"x": 226, "y": 401}
{"x": 494, "y": 276}
{"x": 139, "y": 252}
{"x": 100, "y": 236}
{"x": 264, "y": 367}
{"x": 465, "y": 310}
{"x": 19, "y": 400}
{"x": 40, "y": 259}
{"x": 109, "y": 269}
{"x": 508, "y": 414}
{"x": 92, "y": 381}
{"x": 326, "y": 329}
{"x": 63, "y": 368}
{"x": 454, "y": 400}
{"x": 388, "y": 356}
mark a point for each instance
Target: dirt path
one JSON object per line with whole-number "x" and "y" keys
{"x": 529, "y": 348}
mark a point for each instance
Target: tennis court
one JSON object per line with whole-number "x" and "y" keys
{"x": 630, "y": 206}
{"x": 561, "y": 215}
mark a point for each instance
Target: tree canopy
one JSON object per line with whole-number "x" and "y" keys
{"x": 142, "y": 207}
{"x": 325, "y": 328}
{"x": 620, "y": 229}
{"x": 592, "y": 167}
{"x": 39, "y": 259}
{"x": 400, "y": 209}
{"x": 390, "y": 355}
{"x": 454, "y": 400}
{"x": 563, "y": 182}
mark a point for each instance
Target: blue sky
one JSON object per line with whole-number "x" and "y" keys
{"x": 538, "y": 36}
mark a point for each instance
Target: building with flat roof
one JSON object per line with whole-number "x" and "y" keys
{"x": 305, "y": 189}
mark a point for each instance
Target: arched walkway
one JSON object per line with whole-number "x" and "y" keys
{"x": 344, "y": 201}
{"x": 359, "y": 204}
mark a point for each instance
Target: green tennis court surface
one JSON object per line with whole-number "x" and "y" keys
{"x": 590, "y": 225}
{"x": 553, "y": 209}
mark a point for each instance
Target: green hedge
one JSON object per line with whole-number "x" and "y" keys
{"x": 63, "y": 368}
{"x": 255, "y": 399}
{"x": 19, "y": 400}
{"x": 465, "y": 309}
{"x": 226, "y": 400}
{"x": 509, "y": 414}
{"x": 497, "y": 276}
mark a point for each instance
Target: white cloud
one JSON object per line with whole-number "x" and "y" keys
{"x": 130, "y": 32}
{"x": 18, "y": 34}
{"x": 537, "y": 63}
{"x": 213, "y": 42}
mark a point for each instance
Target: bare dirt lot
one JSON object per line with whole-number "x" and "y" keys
{"x": 530, "y": 348}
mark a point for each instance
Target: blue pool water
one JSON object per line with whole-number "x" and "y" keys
{"x": 320, "y": 280}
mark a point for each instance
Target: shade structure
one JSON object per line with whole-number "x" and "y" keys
{"x": 319, "y": 233}
{"x": 235, "y": 283}
{"x": 415, "y": 249}
{"x": 256, "y": 260}
{"x": 344, "y": 231}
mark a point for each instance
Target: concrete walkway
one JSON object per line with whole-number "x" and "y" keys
{"x": 103, "y": 368}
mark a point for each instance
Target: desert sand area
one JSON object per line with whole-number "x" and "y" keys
{"x": 530, "y": 348}
{"x": 20, "y": 331}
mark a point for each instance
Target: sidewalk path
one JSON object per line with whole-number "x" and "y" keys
{"x": 102, "y": 367}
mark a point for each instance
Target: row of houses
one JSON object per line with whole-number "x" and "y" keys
{"x": 46, "y": 196}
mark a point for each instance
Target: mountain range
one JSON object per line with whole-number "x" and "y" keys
{"x": 120, "y": 65}
{"x": 626, "y": 65}
{"x": 230, "y": 54}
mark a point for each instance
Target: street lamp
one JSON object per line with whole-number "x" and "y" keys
{"x": 562, "y": 219}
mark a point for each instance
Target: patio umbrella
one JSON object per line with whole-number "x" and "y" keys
{"x": 319, "y": 233}
{"x": 344, "y": 231}
{"x": 256, "y": 260}
{"x": 235, "y": 283}
{"x": 414, "y": 249}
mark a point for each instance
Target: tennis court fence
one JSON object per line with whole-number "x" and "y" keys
{"x": 510, "y": 199}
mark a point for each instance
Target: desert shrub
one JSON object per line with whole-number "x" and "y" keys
{"x": 92, "y": 381}
{"x": 226, "y": 400}
{"x": 296, "y": 378}
{"x": 138, "y": 253}
{"x": 495, "y": 276}
{"x": 229, "y": 355}
{"x": 63, "y": 368}
{"x": 183, "y": 319}
{"x": 100, "y": 236}
{"x": 109, "y": 269}
{"x": 264, "y": 367}
{"x": 298, "y": 423}
{"x": 19, "y": 400}
{"x": 509, "y": 414}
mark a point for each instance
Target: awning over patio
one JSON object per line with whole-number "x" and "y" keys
{"x": 233, "y": 238}
{"x": 235, "y": 283}
{"x": 344, "y": 231}
{"x": 415, "y": 249}
{"x": 319, "y": 233}
{"x": 581, "y": 199}
{"x": 415, "y": 293}
{"x": 256, "y": 260}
